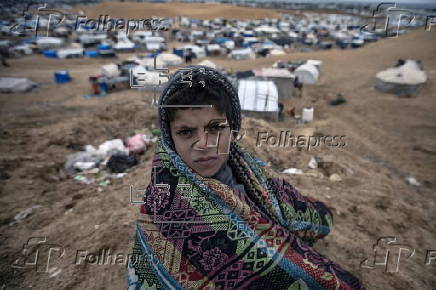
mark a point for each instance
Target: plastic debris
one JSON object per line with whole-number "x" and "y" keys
{"x": 109, "y": 147}
{"x": 339, "y": 100}
{"x": 293, "y": 171}
{"x": 335, "y": 177}
{"x": 83, "y": 179}
{"x": 19, "y": 217}
{"x": 412, "y": 181}
{"x": 136, "y": 143}
{"x": 118, "y": 175}
{"x": 82, "y": 156}
{"x": 104, "y": 182}
{"x": 84, "y": 165}
{"x": 313, "y": 163}
{"x": 120, "y": 162}
{"x": 155, "y": 132}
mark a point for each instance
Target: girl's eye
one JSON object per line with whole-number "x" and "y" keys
{"x": 216, "y": 128}
{"x": 185, "y": 132}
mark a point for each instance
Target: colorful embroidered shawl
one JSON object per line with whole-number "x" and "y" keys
{"x": 198, "y": 233}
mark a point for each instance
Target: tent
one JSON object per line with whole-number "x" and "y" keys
{"x": 49, "y": 42}
{"x": 14, "y": 85}
{"x": 258, "y": 99}
{"x": 245, "y": 53}
{"x": 110, "y": 70}
{"x": 402, "y": 80}
{"x": 140, "y": 36}
{"x": 198, "y": 52}
{"x": 125, "y": 45}
{"x": 208, "y": 63}
{"x": 282, "y": 78}
{"x": 169, "y": 59}
{"x": 307, "y": 74}
{"x": 148, "y": 62}
{"x": 70, "y": 52}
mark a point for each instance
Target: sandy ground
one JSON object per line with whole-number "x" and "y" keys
{"x": 388, "y": 138}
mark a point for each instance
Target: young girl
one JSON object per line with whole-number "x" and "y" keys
{"x": 214, "y": 216}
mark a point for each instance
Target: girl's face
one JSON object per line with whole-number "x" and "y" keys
{"x": 202, "y": 139}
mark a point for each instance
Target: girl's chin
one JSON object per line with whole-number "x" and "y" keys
{"x": 208, "y": 172}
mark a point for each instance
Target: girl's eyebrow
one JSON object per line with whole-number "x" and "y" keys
{"x": 184, "y": 127}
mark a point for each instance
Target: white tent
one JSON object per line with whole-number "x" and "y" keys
{"x": 245, "y": 53}
{"x": 148, "y": 62}
{"x": 276, "y": 51}
{"x": 110, "y": 70}
{"x": 70, "y": 52}
{"x": 169, "y": 59}
{"x": 307, "y": 74}
{"x": 401, "y": 80}
{"x": 258, "y": 98}
{"x": 198, "y": 51}
{"x": 140, "y": 36}
{"x": 49, "y": 42}
{"x": 13, "y": 85}
{"x": 282, "y": 78}
{"x": 124, "y": 45}
{"x": 208, "y": 63}
{"x": 266, "y": 29}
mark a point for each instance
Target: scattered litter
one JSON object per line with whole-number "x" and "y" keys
{"x": 335, "y": 177}
{"x": 94, "y": 170}
{"x": 109, "y": 147}
{"x": 19, "y": 217}
{"x": 83, "y": 179}
{"x": 136, "y": 143}
{"x": 104, "y": 182}
{"x": 120, "y": 162}
{"x": 412, "y": 181}
{"x": 84, "y": 165}
{"x": 155, "y": 132}
{"x": 82, "y": 156}
{"x": 313, "y": 163}
{"x": 293, "y": 171}
{"x": 118, "y": 175}
{"x": 307, "y": 115}
{"x": 339, "y": 100}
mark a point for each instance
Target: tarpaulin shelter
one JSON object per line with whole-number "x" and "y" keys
{"x": 282, "y": 78}
{"x": 258, "y": 99}
{"x": 307, "y": 74}
{"x": 14, "y": 85}
{"x": 402, "y": 80}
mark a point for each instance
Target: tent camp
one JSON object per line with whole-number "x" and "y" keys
{"x": 258, "y": 99}
{"x": 282, "y": 78}
{"x": 307, "y": 74}
{"x": 14, "y": 85}
{"x": 402, "y": 80}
